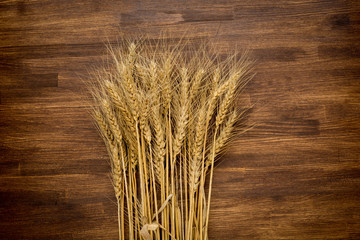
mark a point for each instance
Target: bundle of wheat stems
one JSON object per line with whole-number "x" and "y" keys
{"x": 165, "y": 112}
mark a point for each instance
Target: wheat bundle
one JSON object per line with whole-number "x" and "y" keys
{"x": 165, "y": 114}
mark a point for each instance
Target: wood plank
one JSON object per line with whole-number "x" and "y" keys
{"x": 295, "y": 175}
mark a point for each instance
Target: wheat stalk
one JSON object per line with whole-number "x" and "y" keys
{"x": 165, "y": 114}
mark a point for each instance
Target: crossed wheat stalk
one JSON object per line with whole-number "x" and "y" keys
{"x": 165, "y": 113}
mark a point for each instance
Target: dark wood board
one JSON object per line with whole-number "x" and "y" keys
{"x": 296, "y": 175}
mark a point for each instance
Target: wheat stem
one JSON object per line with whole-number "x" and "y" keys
{"x": 210, "y": 185}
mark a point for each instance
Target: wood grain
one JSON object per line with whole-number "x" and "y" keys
{"x": 296, "y": 175}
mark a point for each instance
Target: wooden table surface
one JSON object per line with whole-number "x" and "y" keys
{"x": 296, "y": 175}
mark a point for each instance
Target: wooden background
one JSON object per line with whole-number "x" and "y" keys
{"x": 295, "y": 176}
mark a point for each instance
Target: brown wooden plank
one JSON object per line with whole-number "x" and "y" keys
{"x": 295, "y": 175}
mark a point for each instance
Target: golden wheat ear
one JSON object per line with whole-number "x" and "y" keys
{"x": 166, "y": 110}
